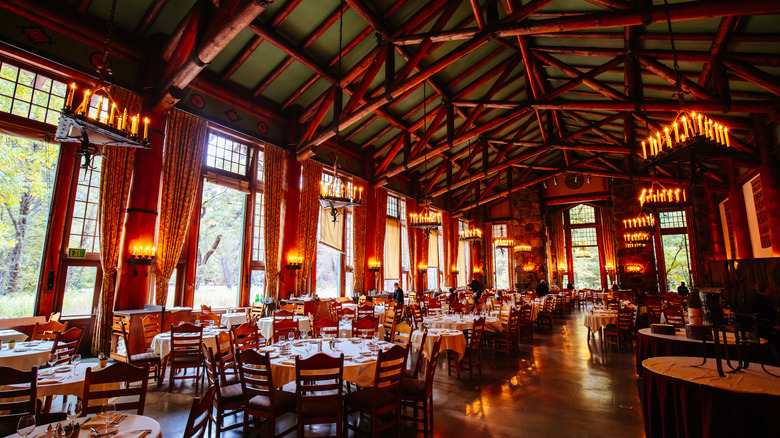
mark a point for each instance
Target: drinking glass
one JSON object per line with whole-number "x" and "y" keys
{"x": 108, "y": 411}
{"x": 375, "y": 337}
{"x": 290, "y": 336}
{"x": 281, "y": 340}
{"x": 75, "y": 360}
{"x": 74, "y": 410}
{"x": 308, "y": 348}
{"x": 26, "y": 425}
{"x": 52, "y": 359}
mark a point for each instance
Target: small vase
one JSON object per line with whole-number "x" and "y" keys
{"x": 103, "y": 363}
{"x": 11, "y": 345}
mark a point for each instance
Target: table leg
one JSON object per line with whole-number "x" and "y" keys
{"x": 457, "y": 363}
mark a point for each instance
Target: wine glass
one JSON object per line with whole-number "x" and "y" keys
{"x": 74, "y": 410}
{"x": 308, "y": 348}
{"x": 375, "y": 337}
{"x": 290, "y": 336}
{"x": 108, "y": 411}
{"x": 52, "y": 359}
{"x": 26, "y": 425}
{"x": 75, "y": 360}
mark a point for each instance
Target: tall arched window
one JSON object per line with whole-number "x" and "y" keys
{"x": 584, "y": 251}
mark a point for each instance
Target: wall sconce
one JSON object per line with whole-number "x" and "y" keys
{"x": 294, "y": 262}
{"x": 634, "y": 269}
{"x": 477, "y": 271}
{"x": 454, "y": 270}
{"x": 374, "y": 265}
{"x": 736, "y": 264}
{"x": 529, "y": 267}
{"x": 144, "y": 256}
{"x": 561, "y": 267}
{"x": 609, "y": 267}
{"x": 422, "y": 268}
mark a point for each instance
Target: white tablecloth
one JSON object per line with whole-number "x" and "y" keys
{"x": 345, "y": 330}
{"x": 267, "y": 325}
{"x": 452, "y": 340}
{"x": 25, "y": 356}
{"x": 680, "y": 337}
{"x": 350, "y": 306}
{"x": 361, "y": 373}
{"x": 596, "y": 320}
{"x": 465, "y": 322}
{"x": 753, "y": 380}
{"x": 66, "y": 383}
{"x": 7, "y": 335}
{"x": 231, "y": 319}
{"x": 130, "y": 427}
{"x": 161, "y": 344}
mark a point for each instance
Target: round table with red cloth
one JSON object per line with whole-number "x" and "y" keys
{"x": 681, "y": 399}
{"x": 650, "y": 344}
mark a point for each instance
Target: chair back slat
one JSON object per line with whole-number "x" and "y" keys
{"x": 47, "y": 331}
{"x": 151, "y": 328}
{"x": 402, "y": 334}
{"x": 368, "y": 325}
{"x": 256, "y": 378}
{"x": 18, "y": 399}
{"x": 325, "y": 327}
{"x": 200, "y": 413}
{"x": 66, "y": 344}
{"x": 283, "y": 328}
{"x": 127, "y": 382}
{"x": 319, "y": 379}
{"x": 244, "y": 337}
{"x": 390, "y": 367}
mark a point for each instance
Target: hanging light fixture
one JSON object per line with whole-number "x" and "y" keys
{"x": 97, "y": 121}
{"x": 504, "y": 243}
{"x": 523, "y": 247}
{"x": 426, "y": 219}
{"x": 472, "y": 234}
{"x": 335, "y": 194}
{"x": 658, "y": 196}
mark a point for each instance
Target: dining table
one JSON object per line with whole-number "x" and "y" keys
{"x": 266, "y": 325}
{"x": 360, "y": 357}
{"x": 597, "y": 319}
{"x": 462, "y": 322}
{"x": 25, "y": 355}
{"x": 452, "y": 340}
{"x": 161, "y": 343}
{"x": 10, "y": 334}
{"x": 130, "y": 426}
{"x": 683, "y": 398}
{"x": 232, "y": 319}
{"x": 649, "y": 344}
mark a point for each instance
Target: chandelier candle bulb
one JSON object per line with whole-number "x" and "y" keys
{"x": 111, "y": 114}
{"x": 71, "y": 92}
{"x": 676, "y": 133}
{"x": 84, "y": 103}
{"x": 644, "y": 151}
{"x": 726, "y": 134}
{"x": 146, "y": 128}
{"x": 685, "y": 127}
{"x": 134, "y": 125}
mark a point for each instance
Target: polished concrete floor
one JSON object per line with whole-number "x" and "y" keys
{"x": 558, "y": 386}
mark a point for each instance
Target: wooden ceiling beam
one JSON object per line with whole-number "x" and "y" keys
{"x": 753, "y": 74}
{"x": 595, "y": 84}
{"x": 209, "y": 84}
{"x": 666, "y": 55}
{"x": 149, "y": 17}
{"x": 669, "y": 75}
{"x": 726, "y": 30}
{"x": 596, "y": 129}
{"x": 398, "y": 145}
{"x": 655, "y": 105}
{"x": 589, "y": 127}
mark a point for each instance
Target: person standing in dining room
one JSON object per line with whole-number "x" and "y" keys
{"x": 476, "y": 288}
{"x": 542, "y": 289}
{"x": 398, "y": 294}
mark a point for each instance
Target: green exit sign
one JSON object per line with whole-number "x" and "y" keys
{"x": 77, "y": 253}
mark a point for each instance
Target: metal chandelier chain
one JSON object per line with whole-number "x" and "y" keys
{"x": 103, "y": 68}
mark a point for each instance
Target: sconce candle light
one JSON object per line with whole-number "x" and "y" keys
{"x": 142, "y": 255}
{"x": 374, "y": 265}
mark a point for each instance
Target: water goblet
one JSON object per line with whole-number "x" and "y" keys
{"x": 281, "y": 340}
{"x": 74, "y": 410}
{"x": 290, "y": 336}
{"x": 375, "y": 337}
{"x": 308, "y": 348}
{"x": 52, "y": 359}
{"x": 26, "y": 425}
{"x": 75, "y": 360}
{"x": 108, "y": 411}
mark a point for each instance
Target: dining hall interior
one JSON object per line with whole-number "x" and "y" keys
{"x": 323, "y": 217}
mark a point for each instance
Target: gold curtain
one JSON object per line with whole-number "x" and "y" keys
{"x": 359, "y": 239}
{"x": 379, "y": 227}
{"x": 392, "y": 250}
{"x": 115, "y": 176}
{"x": 558, "y": 240}
{"x": 608, "y": 233}
{"x": 411, "y": 237}
{"x": 446, "y": 263}
{"x": 185, "y": 137}
{"x": 487, "y": 264}
{"x": 272, "y": 206}
{"x": 309, "y": 214}
{"x": 433, "y": 249}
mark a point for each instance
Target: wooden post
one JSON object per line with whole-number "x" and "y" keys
{"x": 141, "y": 218}
{"x": 770, "y": 179}
{"x": 739, "y": 216}
{"x": 290, "y": 221}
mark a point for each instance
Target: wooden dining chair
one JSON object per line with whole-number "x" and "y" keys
{"x": 653, "y": 305}
{"x": 335, "y": 310}
{"x": 185, "y": 353}
{"x": 256, "y": 311}
{"x": 225, "y": 359}
{"x": 282, "y": 328}
{"x": 414, "y": 372}
{"x": 508, "y": 338}
{"x": 472, "y": 358}
{"x": 389, "y": 324}
{"x": 139, "y": 358}
{"x": 402, "y": 335}
{"x": 66, "y": 344}
{"x": 325, "y": 327}
{"x": 418, "y": 394}
{"x": 228, "y": 398}
{"x": 18, "y": 396}
{"x": 417, "y": 317}
{"x": 200, "y": 414}
{"x": 622, "y": 331}
{"x": 262, "y": 399}
{"x": 674, "y": 316}
{"x": 151, "y": 328}
{"x": 368, "y": 325}
{"x": 319, "y": 391}
{"x": 55, "y": 316}
{"x": 123, "y": 381}
{"x": 365, "y": 310}
{"x": 545, "y": 316}
{"x": 244, "y": 337}
{"x": 47, "y": 331}
{"x": 209, "y": 318}
{"x": 525, "y": 326}
{"x": 383, "y": 396}
{"x": 204, "y": 308}
{"x": 281, "y": 315}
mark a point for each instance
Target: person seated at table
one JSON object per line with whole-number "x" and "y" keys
{"x": 682, "y": 289}
{"x": 437, "y": 293}
{"x": 615, "y": 286}
{"x": 542, "y": 288}
{"x": 398, "y": 294}
{"x": 570, "y": 286}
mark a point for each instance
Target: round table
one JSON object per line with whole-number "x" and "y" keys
{"x": 8, "y": 334}
{"x": 231, "y": 319}
{"x": 683, "y": 400}
{"x": 464, "y": 322}
{"x": 451, "y": 340}
{"x": 649, "y": 344}
{"x": 26, "y": 354}
{"x": 357, "y": 369}
{"x": 130, "y": 427}
{"x": 267, "y": 325}
{"x": 161, "y": 344}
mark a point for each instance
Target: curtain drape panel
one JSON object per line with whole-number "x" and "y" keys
{"x": 379, "y": 227}
{"x": 558, "y": 241}
{"x": 433, "y": 249}
{"x": 608, "y": 233}
{"x": 392, "y": 250}
{"x": 307, "y": 225}
{"x": 446, "y": 261}
{"x": 115, "y": 176}
{"x": 185, "y": 139}
{"x": 272, "y": 207}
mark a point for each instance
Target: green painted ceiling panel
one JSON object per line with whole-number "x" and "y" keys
{"x": 232, "y": 50}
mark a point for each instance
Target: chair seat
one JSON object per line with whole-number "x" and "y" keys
{"x": 311, "y": 411}
{"x": 364, "y": 399}
{"x": 285, "y": 402}
{"x": 195, "y": 360}
{"x": 145, "y": 357}
{"x": 231, "y": 393}
{"x": 413, "y": 389}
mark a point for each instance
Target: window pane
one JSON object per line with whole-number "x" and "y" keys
{"x": 260, "y": 165}
{"x": 404, "y": 249}
{"x": 583, "y": 236}
{"x": 225, "y": 154}
{"x": 257, "y": 286}
{"x": 219, "y": 247}
{"x": 27, "y": 170}
{"x": 672, "y": 219}
{"x": 582, "y": 214}
{"x": 22, "y": 87}
{"x": 501, "y": 267}
{"x": 586, "y": 267}
{"x": 433, "y": 278}
{"x": 499, "y": 230}
{"x": 79, "y": 290}
{"x": 348, "y": 283}
{"x": 258, "y": 235}
{"x": 328, "y": 272}
{"x": 676, "y": 259}
{"x": 392, "y": 206}
{"x": 171, "y": 289}
{"x": 84, "y": 229}
{"x": 349, "y": 249}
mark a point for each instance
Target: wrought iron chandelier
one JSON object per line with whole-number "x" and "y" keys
{"x": 426, "y": 219}
{"x": 97, "y": 121}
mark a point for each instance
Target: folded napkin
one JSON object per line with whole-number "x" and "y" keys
{"x": 48, "y": 381}
{"x": 99, "y": 420}
{"x": 365, "y": 359}
{"x": 288, "y": 362}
